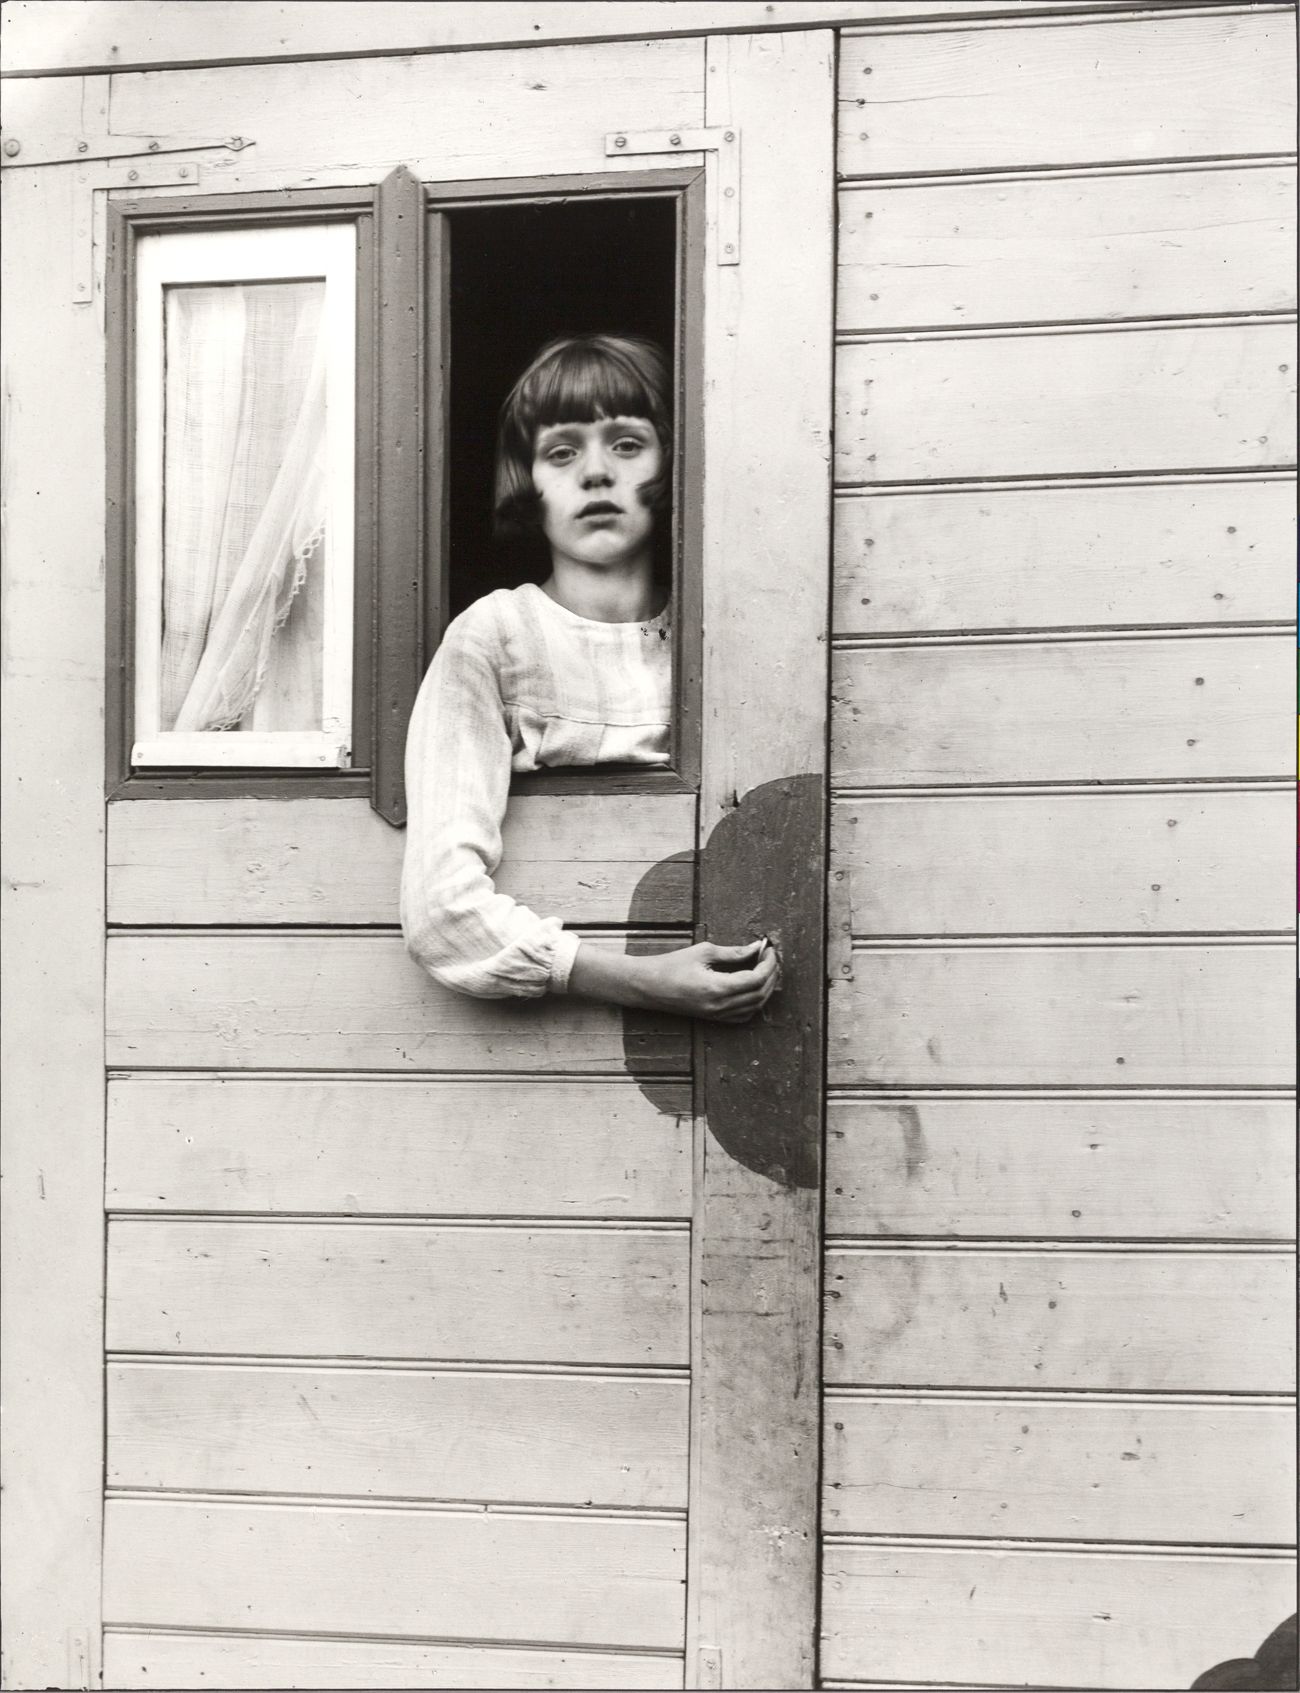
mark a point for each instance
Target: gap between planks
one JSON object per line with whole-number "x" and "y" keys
{"x": 420, "y": 1220}
{"x": 1059, "y": 1395}
{"x": 1142, "y": 475}
{"x": 980, "y": 790}
{"x": 859, "y": 181}
{"x": 1069, "y": 1548}
{"x": 256, "y": 1362}
{"x": 1060, "y": 635}
{"x": 203, "y": 1631}
{"x": 386, "y": 1503}
{"x": 1071, "y": 942}
{"x": 1010, "y": 18}
{"x": 1022, "y": 329}
{"x": 999, "y": 1246}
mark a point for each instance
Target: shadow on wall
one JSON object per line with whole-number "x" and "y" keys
{"x": 1273, "y": 1669}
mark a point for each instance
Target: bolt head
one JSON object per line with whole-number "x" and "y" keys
{"x": 12, "y": 149}
{"x": 729, "y": 135}
{"x": 153, "y": 146}
{"x": 674, "y": 140}
{"x": 83, "y": 146}
{"x": 620, "y": 140}
{"x": 133, "y": 176}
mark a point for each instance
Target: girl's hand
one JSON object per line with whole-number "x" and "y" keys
{"x": 725, "y": 984}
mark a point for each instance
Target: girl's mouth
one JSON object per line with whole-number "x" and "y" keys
{"x": 601, "y": 508}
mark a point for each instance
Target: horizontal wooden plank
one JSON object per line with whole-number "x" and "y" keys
{"x": 1065, "y": 555}
{"x": 115, "y": 34}
{"x": 1179, "y": 397}
{"x": 1060, "y": 1016}
{"x": 1108, "y": 862}
{"x": 1036, "y": 1618}
{"x": 1141, "y": 88}
{"x": 1060, "y": 1469}
{"x": 481, "y": 1148}
{"x": 580, "y": 857}
{"x": 136, "y": 1658}
{"x": 1146, "y": 1169}
{"x": 351, "y": 1001}
{"x": 1159, "y": 244}
{"x": 532, "y": 1439}
{"x": 1174, "y": 1321}
{"x": 541, "y": 110}
{"x": 564, "y": 1295}
{"x": 459, "y": 1575}
{"x": 1063, "y": 711}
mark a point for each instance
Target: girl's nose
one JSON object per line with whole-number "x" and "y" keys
{"x": 595, "y": 468}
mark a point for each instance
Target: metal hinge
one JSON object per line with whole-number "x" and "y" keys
{"x": 725, "y": 144}
{"x": 78, "y": 149}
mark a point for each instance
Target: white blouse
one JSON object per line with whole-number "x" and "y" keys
{"x": 519, "y": 683}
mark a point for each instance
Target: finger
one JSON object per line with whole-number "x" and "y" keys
{"x": 748, "y": 953}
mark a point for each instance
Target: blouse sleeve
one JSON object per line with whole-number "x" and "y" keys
{"x": 466, "y": 934}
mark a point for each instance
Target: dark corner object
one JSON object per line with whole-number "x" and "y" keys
{"x": 1275, "y": 1667}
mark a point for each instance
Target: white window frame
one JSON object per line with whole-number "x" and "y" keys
{"x": 296, "y": 252}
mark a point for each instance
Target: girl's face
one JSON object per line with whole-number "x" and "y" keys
{"x": 588, "y": 477}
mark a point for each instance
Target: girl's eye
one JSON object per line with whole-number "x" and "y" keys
{"x": 559, "y": 455}
{"x": 628, "y": 445}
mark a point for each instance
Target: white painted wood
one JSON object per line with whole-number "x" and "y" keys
{"x": 404, "y": 1434}
{"x": 1141, "y": 88}
{"x": 1060, "y": 1016}
{"x": 1134, "y": 862}
{"x": 598, "y": 1581}
{"x": 394, "y": 1147}
{"x": 1167, "y": 1320}
{"x": 1062, "y": 711}
{"x": 193, "y": 1659}
{"x": 351, "y": 1001}
{"x": 580, "y": 857}
{"x": 1065, "y": 1469}
{"x": 1149, "y": 245}
{"x": 1043, "y": 1618}
{"x": 373, "y": 1290}
{"x": 298, "y": 252}
{"x": 1181, "y": 396}
{"x": 52, "y": 974}
{"x": 1211, "y": 1169}
{"x": 536, "y": 111}
{"x": 56, "y": 35}
{"x": 1065, "y": 555}
{"x": 767, "y": 415}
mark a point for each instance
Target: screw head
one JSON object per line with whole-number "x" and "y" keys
{"x": 83, "y": 146}
{"x": 731, "y": 247}
{"x": 620, "y": 140}
{"x": 674, "y": 140}
{"x": 184, "y": 171}
{"x": 729, "y": 135}
{"x": 153, "y": 146}
{"x": 133, "y": 176}
{"x": 12, "y": 149}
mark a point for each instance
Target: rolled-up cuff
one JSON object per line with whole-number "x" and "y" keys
{"x": 566, "y": 950}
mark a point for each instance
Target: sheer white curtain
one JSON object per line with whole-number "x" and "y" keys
{"x": 244, "y": 513}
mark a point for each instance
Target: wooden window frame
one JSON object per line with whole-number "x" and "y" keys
{"x": 213, "y": 256}
{"x": 128, "y": 221}
{"x": 400, "y": 546}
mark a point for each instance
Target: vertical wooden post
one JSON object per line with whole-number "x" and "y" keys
{"x": 53, "y": 974}
{"x": 756, "y": 1333}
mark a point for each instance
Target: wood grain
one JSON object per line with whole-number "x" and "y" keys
{"x": 1168, "y": 1320}
{"x": 113, "y": 35}
{"x": 405, "y": 1434}
{"x": 1158, "y": 244}
{"x": 579, "y": 857}
{"x": 1179, "y": 397}
{"x": 53, "y": 704}
{"x": 533, "y": 112}
{"x": 755, "y": 1341}
{"x": 317, "y": 1289}
{"x": 481, "y": 1148}
{"x": 1109, "y": 862}
{"x": 1059, "y": 1469}
{"x": 1144, "y": 1169}
{"x": 1062, "y": 711}
{"x": 594, "y": 1581}
{"x": 1068, "y": 555}
{"x": 1082, "y": 1619}
{"x": 1140, "y": 88}
{"x": 350, "y": 1001}
{"x": 258, "y": 1661}
{"x": 1061, "y": 1016}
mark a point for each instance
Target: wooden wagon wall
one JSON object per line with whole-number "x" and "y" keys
{"x": 1056, "y": 1447}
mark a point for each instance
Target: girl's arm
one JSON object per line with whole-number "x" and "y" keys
{"x": 466, "y": 934}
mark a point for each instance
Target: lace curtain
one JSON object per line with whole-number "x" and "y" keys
{"x": 244, "y": 507}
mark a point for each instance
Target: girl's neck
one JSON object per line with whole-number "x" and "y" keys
{"x": 610, "y": 594}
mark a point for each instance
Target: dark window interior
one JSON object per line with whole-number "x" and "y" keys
{"x": 519, "y": 275}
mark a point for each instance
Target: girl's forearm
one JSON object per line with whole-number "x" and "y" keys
{"x": 601, "y": 973}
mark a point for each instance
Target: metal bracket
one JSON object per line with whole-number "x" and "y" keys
{"x": 78, "y": 149}
{"x": 165, "y": 173}
{"x": 723, "y": 142}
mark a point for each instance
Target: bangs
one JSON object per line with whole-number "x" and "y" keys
{"x": 589, "y": 383}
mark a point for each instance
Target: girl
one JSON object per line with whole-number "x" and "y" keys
{"x": 576, "y": 671}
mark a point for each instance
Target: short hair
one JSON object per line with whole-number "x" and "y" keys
{"x": 577, "y": 379}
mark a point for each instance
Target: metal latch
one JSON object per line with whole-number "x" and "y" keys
{"x": 725, "y": 143}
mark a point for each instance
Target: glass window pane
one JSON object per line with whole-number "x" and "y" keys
{"x": 244, "y": 492}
